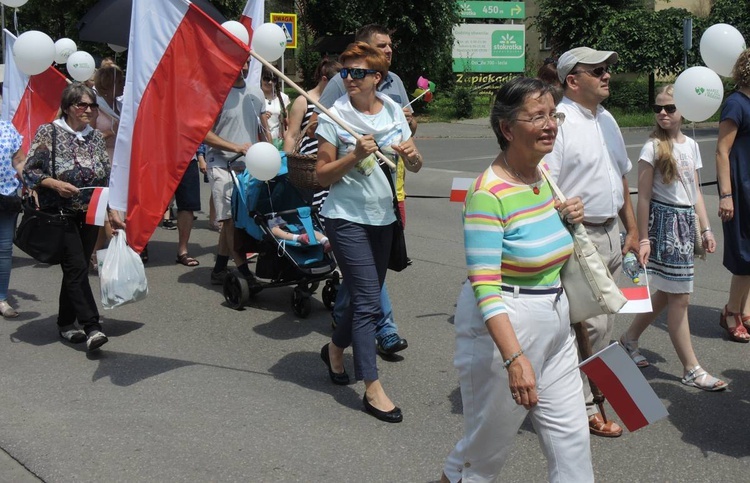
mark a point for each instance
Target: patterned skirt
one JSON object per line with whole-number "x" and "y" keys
{"x": 670, "y": 231}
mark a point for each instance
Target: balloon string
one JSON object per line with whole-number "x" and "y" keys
{"x": 15, "y": 20}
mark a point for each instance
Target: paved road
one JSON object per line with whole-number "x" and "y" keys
{"x": 190, "y": 390}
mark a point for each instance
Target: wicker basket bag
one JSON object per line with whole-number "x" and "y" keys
{"x": 302, "y": 166}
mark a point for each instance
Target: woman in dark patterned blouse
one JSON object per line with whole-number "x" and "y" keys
{"x": 66, "y": 157}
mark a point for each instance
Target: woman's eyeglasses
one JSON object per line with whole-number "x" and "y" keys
{"x": 356, "y": 73}
{"x": 269, "y": 79}
{"x": 541, "y": 121}
{"x": 598, "y": 72}
{"x": 670, "y": 108}
{"x": 82, "y": 106}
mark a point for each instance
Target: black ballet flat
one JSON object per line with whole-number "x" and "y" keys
{"x": 392, "y": 416}
{"x": 341, "y": 379}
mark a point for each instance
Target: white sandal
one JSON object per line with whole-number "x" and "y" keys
{"x": 631, "y": 347}
{"x": 698, "y": 377}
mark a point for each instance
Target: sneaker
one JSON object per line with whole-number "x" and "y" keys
{"x": 72, "y": 334}
{"x": 217, "y": 278}
{"x": 251, "y": 256}
{"x": 95, "y": 340}
{"x": 168, "y": 224}
{"x": 390, "y": 344}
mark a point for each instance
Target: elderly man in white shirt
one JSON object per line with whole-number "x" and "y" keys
{"x": 589, "y": 160}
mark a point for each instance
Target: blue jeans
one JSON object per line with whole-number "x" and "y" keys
{"x": 362, "y": 253}
{"x": 7, "y": 230}
{"x": 385, "y": 325}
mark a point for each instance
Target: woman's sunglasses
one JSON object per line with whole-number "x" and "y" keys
{"x": 269, "y": 79}
{"x": 82, "y": 106}
{"x": 670, "y": 108}
{"x": 356, "y": 73}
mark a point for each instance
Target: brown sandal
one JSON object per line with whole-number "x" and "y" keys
{"x": 738, "y": 333}
{"x": 187, "y": 260}
{"x": 746, "y": 321}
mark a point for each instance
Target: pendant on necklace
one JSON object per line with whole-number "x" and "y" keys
{"x": 535, "y": 189}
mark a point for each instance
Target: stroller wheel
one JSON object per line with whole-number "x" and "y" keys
{"x": 236, "y": 290}
{"x": 329, "y": 294}
{"x": 301, "y": 303}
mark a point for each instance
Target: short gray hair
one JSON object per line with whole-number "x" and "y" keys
{"x": 510, "y": 98}
{"x": 73, "y": 95}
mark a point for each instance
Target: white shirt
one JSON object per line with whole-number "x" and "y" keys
{"x": 589, "y": 160}
{"x": 688, "y": 159}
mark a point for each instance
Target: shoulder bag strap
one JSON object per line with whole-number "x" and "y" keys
{"x": 387, "y": 173}
{"x": 54, "y": 149}
{"x": 558, "y": 194}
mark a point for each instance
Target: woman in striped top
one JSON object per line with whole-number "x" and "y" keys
{"x": 300, "y": 136}
{"x": 515, "y": 349}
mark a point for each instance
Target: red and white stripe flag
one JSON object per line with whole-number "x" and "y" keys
{"x": 639, "y": 298}
{"x": 252, "y": 18}
{"x": 29, "y": 101}
{"x": 459, "y": 188}
{"x": 181, "y": 67}
{"x": 624, "y": 386}
{"x": 96, "y": 214}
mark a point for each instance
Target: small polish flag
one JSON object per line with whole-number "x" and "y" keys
{"x": 252, "y": 18}
{"x": 97, "y": 211}
{"x": 639, "y": 298}
{"x": 624, "y": 386}
{"x": 459, "y": 188}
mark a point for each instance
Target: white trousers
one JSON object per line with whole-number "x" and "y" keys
{"x": 491, "y": 416}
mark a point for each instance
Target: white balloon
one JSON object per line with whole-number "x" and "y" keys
{"x": 721, "y": 44}
{"x": 269, "y": 41}
{"x": 238, "y": 30}
{"x": 63, "y": 48}
{"x": 698, "y": 93}
{"x": 14, "y": 3}
{"x": 117, "y": 48}
{"x": 263, "y": 161}
{"x": 33, "y": 52}
{"x": 81, "y": 66}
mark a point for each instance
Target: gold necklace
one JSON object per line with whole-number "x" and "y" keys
{"x": 535, "y": 189}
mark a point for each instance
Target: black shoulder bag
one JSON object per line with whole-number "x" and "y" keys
{"x": 398, "y": 259}
{"x": 40, "y": 234}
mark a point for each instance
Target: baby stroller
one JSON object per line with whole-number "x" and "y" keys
{"x": 282, "y": 262}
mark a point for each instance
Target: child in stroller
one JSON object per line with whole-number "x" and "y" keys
{"x": 268, "y": 216}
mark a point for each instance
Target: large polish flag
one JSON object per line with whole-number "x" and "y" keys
{"x": 181, "y": 67}
{"x": 252, "y": 18}
{"x": 624, "y": 386}
{"x": 29, "y": 101}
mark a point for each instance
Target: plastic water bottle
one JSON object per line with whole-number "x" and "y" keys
{"x": 631, "y": 267}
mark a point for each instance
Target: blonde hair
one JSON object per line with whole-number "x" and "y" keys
{"x": 741, "y": 70}
{"x": 663, "y": 158}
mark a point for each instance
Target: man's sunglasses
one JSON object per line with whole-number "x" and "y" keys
{"x": 269, "y": 78}
{"x": 598, "y": 72}
{"x": 670, "y": 108}
{"x": 356, "y": 73}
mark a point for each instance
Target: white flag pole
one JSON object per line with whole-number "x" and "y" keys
{"x": 317, "y": 104}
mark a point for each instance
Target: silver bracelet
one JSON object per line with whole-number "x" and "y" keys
{"x": 512, "y": 358}
{"x": 414, "y": 163}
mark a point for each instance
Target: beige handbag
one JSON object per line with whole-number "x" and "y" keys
{"x": 590, "y": 288}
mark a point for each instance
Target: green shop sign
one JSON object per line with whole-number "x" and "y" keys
{"x": 492, "y": 9}
{"x": 489, "y": 48}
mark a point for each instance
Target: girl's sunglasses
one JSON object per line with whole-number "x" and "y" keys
{"x": 356, "y": 73}
{"x": 670, "y": 108}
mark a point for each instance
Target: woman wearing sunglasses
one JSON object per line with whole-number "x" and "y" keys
{"x": 668, "y": 197}
{"x": 276, "y": 104}
{"x": 66, "y": 157}
{"x": 733, "y": 175}
{"x": 359, "y": 212}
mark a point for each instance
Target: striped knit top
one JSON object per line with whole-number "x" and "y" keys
{"x": 512, "y": 237}
{"x": 307, "y": 145}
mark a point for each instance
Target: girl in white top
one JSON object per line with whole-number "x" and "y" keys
{"x": 668, "y": 198}
{"x": 276, "y": 104}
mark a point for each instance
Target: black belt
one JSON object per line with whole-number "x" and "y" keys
{"x": 531, "y": 291}
{"x": 604, "y": 223}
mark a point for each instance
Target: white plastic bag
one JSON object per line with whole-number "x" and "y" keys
{"x": 122, "y": 276}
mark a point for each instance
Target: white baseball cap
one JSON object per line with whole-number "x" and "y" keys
{"x": 582, "y": 55}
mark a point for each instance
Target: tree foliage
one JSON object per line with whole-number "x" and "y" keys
{"x": 422, "y": 31}
{"x": 733, "y": 12}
